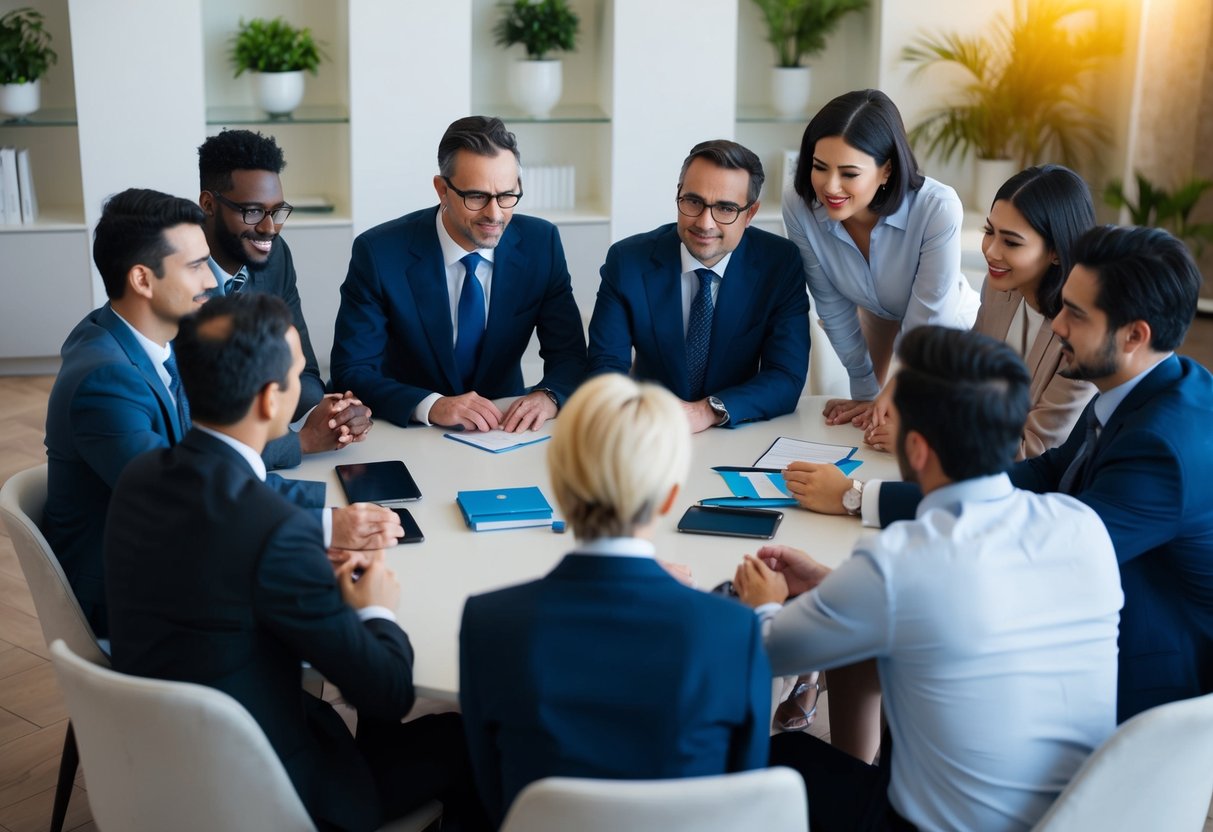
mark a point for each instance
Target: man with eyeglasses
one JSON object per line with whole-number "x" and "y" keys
{"x": 715, "y": 310}
{"x": 440, "y": 304}
{"x": 242, "y": 198}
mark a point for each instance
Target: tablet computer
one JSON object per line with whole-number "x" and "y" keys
{"x": 385, "y": 483}
{"x": 733, "y": 522}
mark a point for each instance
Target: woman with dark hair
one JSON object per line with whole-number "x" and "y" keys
{"x": 1035, "y": 219}
{"x": 880, "y": 241}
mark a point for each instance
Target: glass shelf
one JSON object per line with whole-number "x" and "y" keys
{"x": 766, "y": 115}
{"x": 570, "y": 114}
{"x": 46, "y": 117}
{"x": 327, "y": 114}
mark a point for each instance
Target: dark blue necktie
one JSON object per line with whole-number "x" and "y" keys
{"x": 235, "y": 283}
{"x": 174, "y": 387}
{"x": 1071, "y": 480}
{"x": 471, "y": 320}
{"x": 699, "y": 334}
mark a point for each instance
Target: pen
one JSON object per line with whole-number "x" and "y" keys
{"x": 740, "y": 468}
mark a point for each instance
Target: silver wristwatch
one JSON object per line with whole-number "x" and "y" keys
{"x": 852, "y": 499}
{"x": 719, "y": 409}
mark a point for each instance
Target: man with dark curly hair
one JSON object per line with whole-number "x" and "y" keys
{"x": 241, "y": 195}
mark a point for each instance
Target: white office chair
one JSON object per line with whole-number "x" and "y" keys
{"x": 1155, "y": 772}
{"x": 771, "y": 800}
{"x": 22, "y": 499}
{"x": 173, "y": 755}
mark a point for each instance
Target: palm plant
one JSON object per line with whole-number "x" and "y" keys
{"x": 1157, "y": 206}
{"x": 1026, "y": 98}
{"x": 798, "y": 28}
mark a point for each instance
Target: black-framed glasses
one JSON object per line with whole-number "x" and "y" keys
{"x": 725, "y": 213}
{"x": 254, "y": 214}
{"x": 477, "y": 200}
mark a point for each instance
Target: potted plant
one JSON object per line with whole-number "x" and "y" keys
{"x": 797, "y": 29}
{"x": 25, "y": 55}
{"x": 278, "y": 54}
{"x": 1161, "y": 208}
{"x": 541, "y": 26}
{"x": 1025, "y": 100}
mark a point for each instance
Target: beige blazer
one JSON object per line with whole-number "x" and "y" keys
{"x": 1056, "y": 401}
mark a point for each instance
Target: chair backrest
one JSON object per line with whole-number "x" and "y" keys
{"x": 172, "y": 755}
{"x": 22, "y": 499}
{"x": 1155, "y": 772}
{"x": 772, "y": 800}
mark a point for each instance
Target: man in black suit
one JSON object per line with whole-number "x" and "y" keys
{"x": 241, "y": 195}
{"x": 214, "y": 578}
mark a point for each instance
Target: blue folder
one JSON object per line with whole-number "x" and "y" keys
{"x": 504, "y": 508}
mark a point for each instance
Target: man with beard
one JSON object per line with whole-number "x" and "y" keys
{"x": 440, "y": 304}
{"x": 994, "y": 634}
{"x": 243, "y": 201}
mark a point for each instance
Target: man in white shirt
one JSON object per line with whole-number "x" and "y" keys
{"x": 994, "y": 634}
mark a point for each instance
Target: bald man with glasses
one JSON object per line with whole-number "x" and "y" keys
{"x": 715, "y": 310}
{"x": 439, "y": 305}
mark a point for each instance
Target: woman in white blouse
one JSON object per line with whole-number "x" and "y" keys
{"x": 880, "y": 241}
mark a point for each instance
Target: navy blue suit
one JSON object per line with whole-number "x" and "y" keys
{"x": 1148, "y": 482}
{"x": 609, "y": 668}
{"x": 759, "y": 352}
{"x": 394, "y": 344}
{"x": 108, "y": 405}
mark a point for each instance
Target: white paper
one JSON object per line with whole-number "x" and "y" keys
{"x": 763, "y": 486}
{"x": 786, "y": 451}
{"x": 499, "y": 440}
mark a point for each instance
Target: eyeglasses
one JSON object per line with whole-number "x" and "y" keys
{"x": 477, "y": 200}
{"x": 725, "y": 213}
{"x": 254, "y": 214}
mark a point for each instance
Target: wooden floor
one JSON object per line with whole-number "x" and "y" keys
{"x": 32, "y": 715}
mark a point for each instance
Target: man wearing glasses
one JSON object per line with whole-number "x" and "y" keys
{"x": 245, "y": 209}
{"x": 715, "y": 310}
{"x": 440, "y": 304}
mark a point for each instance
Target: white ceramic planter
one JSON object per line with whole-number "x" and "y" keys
{"x": 988, "y": 176}
{"x": 535, "y": 86}
{"x": 18, "y": 100}
{"x": 279, "y": 93}
{"x": 790, "y": 90}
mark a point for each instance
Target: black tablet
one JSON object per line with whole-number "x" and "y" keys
{"x": 384, "y": 483}
{"x": 733, "y": 522}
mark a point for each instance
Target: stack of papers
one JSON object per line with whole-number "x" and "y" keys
{"x": 497, "y": 441}
{"x": 763, "y": 486}
{"x": 504, "y": 508}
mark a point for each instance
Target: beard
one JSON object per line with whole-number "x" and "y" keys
{"x": 1100, "y": 365}
{"x": 232, "y": 246}
{"x": 908, "y": 474}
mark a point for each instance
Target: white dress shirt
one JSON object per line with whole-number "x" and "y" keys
{"x": 690, "y": 282}
{"x": 156, "y": 353}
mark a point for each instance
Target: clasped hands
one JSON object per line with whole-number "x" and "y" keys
{"x": 774, "y": 573}
{"x": 875, "y": 418}
{"x": 338, "y": 420}
{"x": 471, "y": 411}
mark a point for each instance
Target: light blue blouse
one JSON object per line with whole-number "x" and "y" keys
{"x": 913, "y": 275}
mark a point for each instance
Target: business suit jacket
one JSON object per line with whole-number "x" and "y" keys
{"x": 1056, "y": 401}
{"x": 1147, "y": 481}
{"x": 609, "y": 668}
{"x": 277, "y": 277}
{"x": 394, "y": 344}
{"x": 759, "y": 352}
{"x": 215, "y": 578}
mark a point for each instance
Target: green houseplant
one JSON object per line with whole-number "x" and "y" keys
{"x": 541, "y": 26}
{"x": 25, "y": 56}
{"x": 798, "y": 29}
{"x": 1162, "y": 208}
{"x": 278, "y": 54}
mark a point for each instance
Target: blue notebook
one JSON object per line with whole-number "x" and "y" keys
{"x": 504, "y": 508}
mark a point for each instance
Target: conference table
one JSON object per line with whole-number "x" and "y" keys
{"x": 453, "y": 562}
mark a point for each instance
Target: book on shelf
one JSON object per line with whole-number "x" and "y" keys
{"x": 25, "y": 184}
{"x": 10, "y": 197}
{"x": 504, "y": 508}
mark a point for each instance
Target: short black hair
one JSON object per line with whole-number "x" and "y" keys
{"x": 131, "y": 233}
{"x": 224, "y": 367}
{"x": 966, "y": 394}
{"x": 868, "y": 121}
{"x": 730, "y": 155}
{"x": 482, "y": 135}
{"x": 233, "y": 150}
{"x": 1056, "y": 202}
{"x": 1144, "y": 274}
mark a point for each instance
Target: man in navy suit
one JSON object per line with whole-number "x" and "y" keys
{"x": 439, "y": 305}
{"x": 241, "y": 195}
{"x": 215, "y": 578}
{"x": 715, "y": 310}
{"x": 608, "y": 667}
{"x": 1140, "y": 456}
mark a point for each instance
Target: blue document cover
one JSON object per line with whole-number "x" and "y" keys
{"x": 504, "y": 508}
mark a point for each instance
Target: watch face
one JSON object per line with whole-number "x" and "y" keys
{"x": 852, "y": 500}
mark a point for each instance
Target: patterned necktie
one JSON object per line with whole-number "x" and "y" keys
{"x": 1073, "y": 474}
{"x": 471, "y": 320}
{"x": 699, "y": 334}
{"x": 235, "y": 283}
{"x": 174, "y": 387}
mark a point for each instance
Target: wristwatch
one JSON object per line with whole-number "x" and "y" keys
{"x": 551, "y": 395}
{"x": 852, "y": 498}
{"x": 719, "y": 409}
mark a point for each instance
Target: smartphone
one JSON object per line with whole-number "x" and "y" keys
{"x": 733, "y": 522}
{"x": 412, "y": 532}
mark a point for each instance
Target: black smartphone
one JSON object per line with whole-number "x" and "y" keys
{"x": 729, "y": 521}
{"x": 384, "y": 483}
{"x": 412, "y": 532}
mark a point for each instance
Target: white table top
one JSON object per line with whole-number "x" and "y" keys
{"x": 436, "y": 576}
